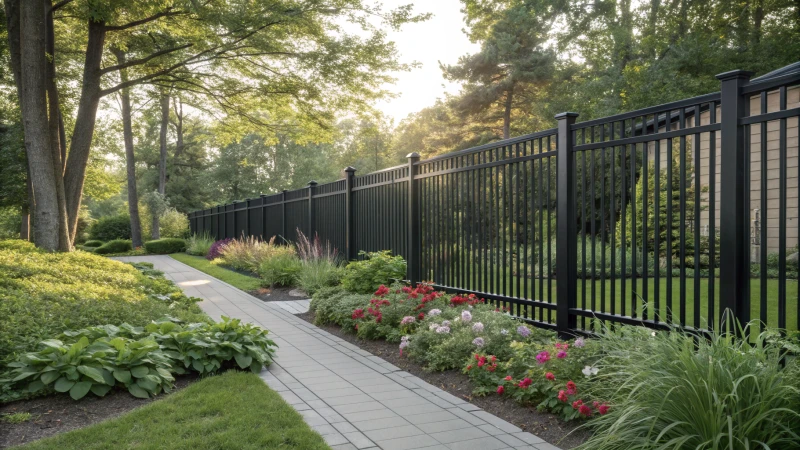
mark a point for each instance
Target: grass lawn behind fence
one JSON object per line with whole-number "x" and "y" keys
{"x": 235, "y": 410}
{"x": 235, "y": 279}
{"x": 635, "y": 296}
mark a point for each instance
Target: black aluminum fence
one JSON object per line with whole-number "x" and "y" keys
{"x": 640, "y": 218}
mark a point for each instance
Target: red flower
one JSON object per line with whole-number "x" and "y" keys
{"x": 358, "y": 314}
{"x": 525, "y": 383}
{"x": 481, "y": 361}
{"x": 602, "y": 409}
{"x": 406, "y": 289}
{"x": 500, "y": 389}
{"x": 562, "y": 396}
{"x": 577, "y": 404}
{"x": 508, "y": 378}
{"x": 585, "y": 410}
{"x": 493, "y": 358}
{"x": 571, "y": 388}
{"x": 492, "y": 368}
{"x": 421, "y": 316}
{"x": 469, "y": 367}
{"x": 383, "y": 290}
{"x": 550, "y": 376}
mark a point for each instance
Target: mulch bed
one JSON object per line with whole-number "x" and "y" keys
{"x": 547, "y": 426}
{"x": 55, "y": 414}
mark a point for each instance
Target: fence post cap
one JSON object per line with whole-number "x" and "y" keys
{"x": 565, "y": 115}
{"x": 413, "y": 155}
{"x": 734, "y": 74}
{"x": 285, "y": 191}
{"x": 312, "y": 183}
{"x": 349, "y": 169}
{"x": 262, "y": 195}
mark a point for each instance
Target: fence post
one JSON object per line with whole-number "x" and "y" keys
{"x": 566, "y": 236}
{"x": 733, "y": 212}
{"x": 349, "y": 180}
{"x": 247, "y": 217}
{"x": 414, "y": 246}
{"x": 311, "y": 185}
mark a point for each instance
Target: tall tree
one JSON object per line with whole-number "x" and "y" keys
{"x": 253, "y": 59}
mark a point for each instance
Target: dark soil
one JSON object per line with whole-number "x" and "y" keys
{"x": 547, "y": 426}
{"x": 58, "y": 413}
{"x": 280, "y": 294}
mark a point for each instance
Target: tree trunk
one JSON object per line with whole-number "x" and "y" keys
{"x": 130, "y": 161}
{"x": 75, "y": 170}
{"x": 12, "y": 27}
{"x": 162, "y": 162}
{"x": 64, "y": 238}
{"x": 33, "y": 103}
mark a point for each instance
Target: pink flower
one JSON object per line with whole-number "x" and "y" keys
{"x": 577, "y": 404}
{"x": 358, "y": 314}
{"x": 585, "y": 410}
{"x": 561, "y": 355}
{"x": 525, "y": 383}
{"x": 508, "y": 378}
{"x": 571, "y": 388}
{"x": 562, "y": 396}
{"x": 543, "y": 357}
{"x": 383, "y": 290}
{"x": 500, "y": 389}
{"x": 550, "y": 376}
{"x": 602, "y": 409}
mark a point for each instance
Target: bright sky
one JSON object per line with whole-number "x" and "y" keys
{"x": 438, "y": 39}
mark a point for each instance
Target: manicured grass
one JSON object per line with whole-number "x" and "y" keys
{"x": 235, "y": 279}
{"x": 235, "y": 410}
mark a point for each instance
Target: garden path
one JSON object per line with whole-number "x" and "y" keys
{"x": 354, "y": 399}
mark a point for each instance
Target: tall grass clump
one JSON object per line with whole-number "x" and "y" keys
{"x": 247, "y": 253}
{"x": 670, "y": 390}
{"x": 281, "y": 267}
{"x": 199, "y": 244}
{"x": 320, "y": 263}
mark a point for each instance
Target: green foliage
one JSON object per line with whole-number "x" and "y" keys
{"x": 684, "y": 392}
{"x": 199, "y": 245}
{"x": 20, "y": 417}
{"x": 142, "y": 360}
{"x": 317, "y": 274}
{"x": 93, "y": 243}
{"x": 111, "y": 227}
{"x": 114, "y": 246}
{"x": 10, "y": 223}
{"x": 173, "y": 224}
{"x": 378, "y": 268}
{"x": 334, "y": 305}
{"x": 281, "y": 267}
{"x": 165, "y": 246}
{"x": 44, "y": 294}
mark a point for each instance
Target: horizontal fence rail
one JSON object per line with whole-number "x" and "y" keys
{"x": 675, "y": 215}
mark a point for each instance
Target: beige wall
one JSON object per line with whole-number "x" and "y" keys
{"x": 773, "y": 168}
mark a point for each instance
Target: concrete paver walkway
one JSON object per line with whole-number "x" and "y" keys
{"x": 354, "y": 399}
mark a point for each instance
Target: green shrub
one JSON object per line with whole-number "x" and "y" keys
{"x": 247, "y": 253}
{"x": 93, "y": 243}
{"x": 111, "y": 227}
{"x": 671, "y": 390}
{"x": 280, "y": 268}
{"x": 85, "y": 248}
{"x": 173, "y": 224}
{"x": 317, "y": 274}
{"x": 142, "y": 360}
{"x": 378, "y": 268}
{"x": 115, "y": 246}
{"x": 199, "y": 244}
{"x": 44, "y": 294}
{"x": 165, "y": 246}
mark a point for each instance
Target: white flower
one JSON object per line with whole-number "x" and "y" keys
{"x": 466, "y": 316}
{"x": 443, "y": 329}
{"x": 433, "y": 326}
{"x": 653, "y": 334}
{"x": 477, "y": 327}
{"x": 589, "y": 371}
{"x": 579, "y": 343}
{"x": 446, "y": 323}
{"x": 504, "y": 331}
{"x": 405, "y": 338}
{"x": 434, "y": 312}
{"x": 478, "y": 342}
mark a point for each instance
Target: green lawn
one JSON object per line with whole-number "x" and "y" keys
{"x": 235, "y": 410}
{"x": 236, "y": 279}
{"x": 635, "y": 297}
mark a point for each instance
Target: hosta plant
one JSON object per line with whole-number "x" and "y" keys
{"x": 80, "y": 367}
